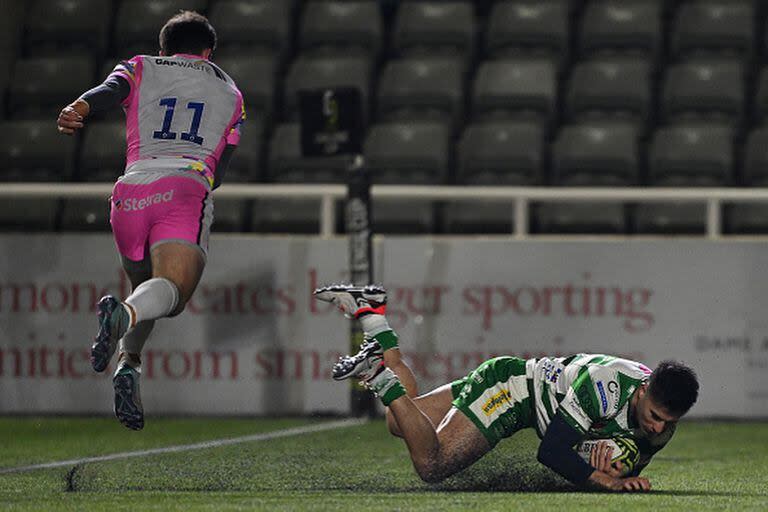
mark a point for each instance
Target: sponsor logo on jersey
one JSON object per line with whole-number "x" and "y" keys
{"x": 603, "y": 398}
{"x": 133, "y": 204}
{"x": 500, "y": 399}
{"x": 196, "y": 64}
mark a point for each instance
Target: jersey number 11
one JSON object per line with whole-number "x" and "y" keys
{"x": 165, "y": 132}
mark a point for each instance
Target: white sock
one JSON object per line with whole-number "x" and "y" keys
{"x": 153, "y": 299}
{"x": 374, "y": 324}
{"x": 133, "y": 341}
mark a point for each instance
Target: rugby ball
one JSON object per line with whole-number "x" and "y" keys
{"x": 624, "y": 450}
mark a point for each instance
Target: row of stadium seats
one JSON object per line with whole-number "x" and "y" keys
{"x": 421, "y": 88}
{"x": 127, "y": 27}
{"x": 590, "y": 153}
{"x": 541, "y": 92}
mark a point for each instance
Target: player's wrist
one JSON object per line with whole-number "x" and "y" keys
{"x": 600, "y": 480}
{"x": 81, "y": 107}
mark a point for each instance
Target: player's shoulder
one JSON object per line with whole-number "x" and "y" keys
{"x": 607, "y": 364}
{"x": 223, "y": 75}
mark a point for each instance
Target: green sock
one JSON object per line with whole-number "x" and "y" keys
{"x": 387, "y": 339}
{"x": 386, "y": 386}
{"x": 394, "y": 392}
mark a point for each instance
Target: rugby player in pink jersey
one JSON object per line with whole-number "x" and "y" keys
{"x": 183, "y": 118}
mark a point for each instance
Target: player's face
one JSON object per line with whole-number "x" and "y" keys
{"x": 652, "y": 417}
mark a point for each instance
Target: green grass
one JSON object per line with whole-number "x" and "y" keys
{"x": 708, "y": 466}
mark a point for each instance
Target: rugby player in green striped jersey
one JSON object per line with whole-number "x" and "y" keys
{"x": 565, "y": 399}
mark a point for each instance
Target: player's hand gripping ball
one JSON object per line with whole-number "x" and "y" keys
{"x": 624, "y": 450}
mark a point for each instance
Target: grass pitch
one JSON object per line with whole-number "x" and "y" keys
{"x": 707, "y": 466}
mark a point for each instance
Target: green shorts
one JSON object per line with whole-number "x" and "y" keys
{"x": 496, "y": 397}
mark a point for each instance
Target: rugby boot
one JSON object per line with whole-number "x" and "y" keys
{"x": 114, "y": 321}
{"x": 128, "y": 408}
{"x": 364, "y": 365}
{"x": 355, "y": 301}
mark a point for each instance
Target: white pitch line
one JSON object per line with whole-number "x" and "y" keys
{"x": 309, "y": 429}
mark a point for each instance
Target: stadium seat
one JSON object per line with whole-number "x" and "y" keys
{"x": 515, "y": 88}
{"x": 287, "y": 215}
{"x": 491, "y": 154}
{"x": 255, "y": 76}
{"x": 406, "y": 153}
{"x": 751, "y": 218}
{"x": 601, "y": 218}
{"x": 670, "y": 218}
{"x": 692, "y": 155}
{"x": 617, "y": 26}
{"x": 746, "y": 218}
{"x": 688, "y": 155}
{"x": 596, "y": 153}
{"x": 138, "y": 23}
{"x": 446, "y": 28}
{"x": 287, "y": 165}
{"x": 334, "y": 27}
{"x": 85, "y": 215}
{"x": 756, "y": 158}
{"x": 421, "y": 89}
{"x": 590, "y": 154}
{"x": 709, "y": 89}
{"x": 719, "y": 26}
{"x": 501, "y": 153}
{"x": 56, "y": 27}
{"x": 489, "y": 217}
{"x": 614, "y": 87}
{"x": 254, "y": 27}
{"x": 35, "y": 151}
{"x": 27, "y": 215}
{"x": 413, "y": 152}
{"x": 760, "y": 112}
{"x": 525, "y": 27}
{"x": 318, "y": 72}
{"x": 41, "y": 86}
{"x": 102, "y": 157}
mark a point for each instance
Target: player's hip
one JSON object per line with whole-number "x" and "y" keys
{"x": 497, "y": 397}
{"x": 171, "y": 208}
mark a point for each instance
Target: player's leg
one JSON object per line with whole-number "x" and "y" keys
{"x": 435, "y": 405}
{"x": 436, "y": 451}
{"x": 125, "y": 381}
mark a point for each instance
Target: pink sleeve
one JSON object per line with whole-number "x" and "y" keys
{"x": 130, "y": 70}
{"x": 233, "y": 133}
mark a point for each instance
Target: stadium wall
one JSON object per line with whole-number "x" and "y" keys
{"x": 252, "y": 340}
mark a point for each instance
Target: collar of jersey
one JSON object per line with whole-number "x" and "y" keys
{"x": 188, "y": 56}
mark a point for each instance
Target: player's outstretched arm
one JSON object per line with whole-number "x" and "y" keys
{"x": 72, "y": 116}
{"x": 607, "y": 476}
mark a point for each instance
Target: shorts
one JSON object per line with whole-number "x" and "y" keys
{"x": 172, "y": 209}
{"x": 496, "y": 397}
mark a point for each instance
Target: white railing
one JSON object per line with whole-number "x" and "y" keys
{"x": 520, "y": 197}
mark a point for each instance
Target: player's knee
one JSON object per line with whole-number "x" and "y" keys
{"x": 429, "y": 470}
{"x": 430, "y": 474}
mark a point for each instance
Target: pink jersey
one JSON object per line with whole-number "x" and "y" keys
{"x": 181, "y": 112}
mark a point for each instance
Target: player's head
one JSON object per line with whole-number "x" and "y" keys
{"x": 670, "y": 393}
{"x": 187, "y": 32}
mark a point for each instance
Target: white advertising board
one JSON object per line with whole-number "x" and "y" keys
{"x": 252, "y": 340}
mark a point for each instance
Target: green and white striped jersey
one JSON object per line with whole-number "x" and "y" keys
{"x": 592, "y": 393}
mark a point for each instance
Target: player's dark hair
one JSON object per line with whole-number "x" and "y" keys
{"x": 674, "y": 386}
{"x": 187, "y": 32}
